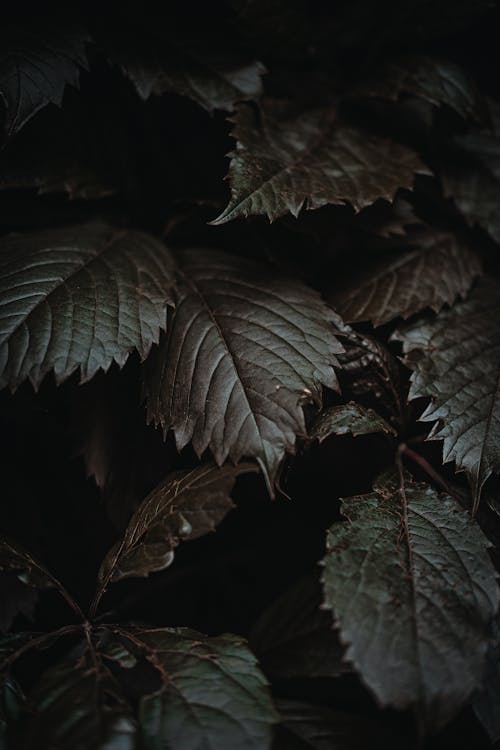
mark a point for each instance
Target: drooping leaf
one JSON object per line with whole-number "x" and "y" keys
{"x": 348, "y": 418}
{"x": 244, "y": 351}
{"x": 414, "y": 593}
{"x": 285, "y": 162}
{"x": 433, "y": 274}
{"x": 184, "y": 506}
{"x": 17, "y": 599}
{"x": 213, "y": 695}
{"x": 36, "y": 63}
{"x": 294, "y": 637}
{"x": 487, "y": 700}
{"x": 79, "y": 297}
{"x": 456, "y": 362}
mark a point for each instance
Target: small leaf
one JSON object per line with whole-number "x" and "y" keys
{"x": 456, "y": 362}
{"x": 36, "y": 63}
{"x": 284, "y": 163}
{"x": 245, "y": 350}
{"x": 434, "y": 274}
{"x": 414, "y": 593}
{"x": 186, "y": 505}
{"x": 79, "y": 297}
{"x": 348, "y": 418}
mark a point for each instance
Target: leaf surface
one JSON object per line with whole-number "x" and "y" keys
{"x": 244, "y": 351}
{"x": 348, "y": 418}
{"x": 79, "y": 297}
{"x": 414, "y": 593}
{"x": 486, "y": 702}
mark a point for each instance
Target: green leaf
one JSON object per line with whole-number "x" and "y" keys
{"x": 213, "y": 694}
{"x": 348, "y": 418}
{"x": 36, "y": 63}
{"x": 79, "y": 297}
{"x": 184, "y": 506}
{"x": 456, "y": 362}
{"x": 486, "y": 702}
{"x": 283, "y": 162}
{"x": 414, "y": 593}
{"x": 244, "y": 351}
{"x": 433, "y": 274}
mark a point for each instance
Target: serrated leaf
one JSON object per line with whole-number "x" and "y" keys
{"x": 79, "y": 297}
{"x": 77, "y": 705}
{"x": 351, "y": 418}
{"x": 433, "y": 274}
{"x": 36, "y": 63}
{"x": 414, "y": 593}
{"x": 439, "y": 82}
{"x": 184, "y": 506}
{"x": 456, "y": 362}
{"x": 285, "y": 162}
{"x": 213, "y": 694}
{"x": 294, "y": 638}
{"x": 244, "y": 351}
{"x": 486, "y": 702}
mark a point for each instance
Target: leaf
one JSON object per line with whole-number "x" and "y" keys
{"x": 244, "y": 351}
{"x": 11, "y": 706}
{"x": 414, "y": 593}
{"x": 212, "y": 696}
{"x": 486, "y": 702}
{"x": 348, "y": 418}
{"x": 79, "y": 297}
{"x": 77, "y": 704}
{"x": 282, "y": 163}
{"x": 184, "y": 506}
{"x": 14, "y": 559}
{"x": 36, "y": 63}
{"x": 17, "y": 599}
{"x": 456, "y": 362}
{"x": 436, "y": 272}
{"x": 294, "y": 638}
{"x": 439, "y": 82}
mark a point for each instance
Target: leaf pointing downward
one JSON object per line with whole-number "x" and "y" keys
{"x": 243, "y": 352}
{"x": 414, "y": 593}
{"x": 348, "y": 418}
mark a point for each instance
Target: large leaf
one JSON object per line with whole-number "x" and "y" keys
{"x": 436, "y": 272}
{"x": 244, "y": 351}
{"x": 36, "y": 63}
{"x": 282, "y": 163}
{"x": 456, "y": 362}
{"x": 79, "y": 297}
{"x": 414, "y": 593}
{"x": 213, "y": 695}
{"x": 348, "y": 418}
{"x": 186, "y": 505}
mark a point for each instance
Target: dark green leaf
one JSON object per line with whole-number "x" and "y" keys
{"x": 348, "y": 418}
{"x": 282, "y": 163}
{"x": 414, "y": 593}
{"x": 244, "y": 351}
{"x": 79, "y": 297}
{"x": 184, "y": 506}
{"x": 487, "y": 701}
{"x": 456, "y": 362}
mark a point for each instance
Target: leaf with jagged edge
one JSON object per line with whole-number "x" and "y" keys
{"x": 212, "y": 695}
{"x": 79, "y": 297}
{"x": 36, "y": 63}
{"x": 455, "y": 360}
{"x": 351, "y": 418}
{"x": 440, "y": 268}
{"x": 244, "y": 351}
{"x": 283, "y": 163}
{"x": 414, "y": 593}
{"x": 184, "y": 506}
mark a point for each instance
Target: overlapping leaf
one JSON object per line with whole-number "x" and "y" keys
{"x": 348, "y": 418}
{"x": 456, "y": 362}
{"x": 283, "y": 162}
{"x": 437, "y": 271}
{"x": 244, "y": 351}
{"x": 414, "y": 593}
{"x": 79, "y": 297}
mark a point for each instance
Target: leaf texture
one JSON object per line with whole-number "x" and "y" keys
{"x": 244, "y": 351}
{"x": 436, "y": 272}
{"x": 348, "y": 418}
{"x": 79, "y": 297}
{"x": 414, "y": 593}
{"x": 284, "y": 163}
{"x": 36, "y": 63}
{"x": 186, "y": 505}
{"x": 456, "y": 362}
